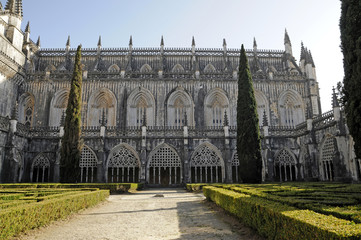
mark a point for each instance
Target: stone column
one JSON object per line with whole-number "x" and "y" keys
{"x": 143, "y": 155}
{"x": 227, "y": 154}
{"x": 186, "y": 166}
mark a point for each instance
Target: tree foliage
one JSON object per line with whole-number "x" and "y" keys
{"x": 71, "y": 142}
{"x": 248, "y": 136}
{"x": 350, "y": 26}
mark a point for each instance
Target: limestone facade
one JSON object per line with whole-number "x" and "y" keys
{"x": 163, "y": 116}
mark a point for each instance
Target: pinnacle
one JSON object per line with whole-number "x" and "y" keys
{"x": 131, "y": 40}
{"x": 27, "y": 28}
{"x": 254, "y": 42}
{"x": 38, "y": 42}
{"x": 100, "y": 41}
{"x": 15, "y": 6}
{"x": 68, "y": 41}
{"x": 193, "y": 41}
{"x": 287, "y": 38}
{"x": 224, "y": 42}
{"x": 162, "y": 41}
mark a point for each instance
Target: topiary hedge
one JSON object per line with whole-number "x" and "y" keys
{"x": 19, "y": 218}
{"x": 112, "y": 187}
{"x": 275, "y": 220}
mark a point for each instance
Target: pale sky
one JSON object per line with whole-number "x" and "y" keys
{"x": 315, "y": 22}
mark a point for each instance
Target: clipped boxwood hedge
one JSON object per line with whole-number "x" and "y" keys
{"x": 15, "y": 220}
{"x": 275, "y": 220}
{"x": 112, "y": 187}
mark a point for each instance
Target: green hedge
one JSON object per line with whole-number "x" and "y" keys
{"x": 15, "y": 220}
{"x": 275, "y": 220}
{"x": 112, "y": 187}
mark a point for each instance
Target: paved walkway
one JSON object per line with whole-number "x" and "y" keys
{"x": 149, "y": 214}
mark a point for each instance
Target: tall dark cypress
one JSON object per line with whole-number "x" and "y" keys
{"x": 248, "y": 135}
{"x": 350, "y": 26}
{"x": 71, "y": 142}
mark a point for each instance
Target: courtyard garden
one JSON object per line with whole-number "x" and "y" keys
{"x": 292, "y": 210}
{"x": 28, "y": 206}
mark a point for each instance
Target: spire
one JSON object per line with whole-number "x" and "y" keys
{"x": 162, "y": 41}
{"x": 38, "y": 44}
{"x": 68, "y": 42}
{"x": 224, "y": 42}
{"x": 15, "y": 6}
{"x": 335, "y": 102}
{"x": 27, "y": 28}
{"x": 254, "y": 43}
{"x": 225, "y": 121}
{"x": 265, "y": 120}
{"x": 193, "y": 42}
{"x": 100, "y": 41}
{"x": 287, "y": 38}
{"x": 130, "y": 41}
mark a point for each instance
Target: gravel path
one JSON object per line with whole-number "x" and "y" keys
{"x": 149, "y": 214}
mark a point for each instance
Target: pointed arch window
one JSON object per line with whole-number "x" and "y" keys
{"x": 27, "y": 109}
{"x": 217, "y": 113}
{"x": 328, "y": 152}
{"x": 179, "y": 112}
{"x": 285, "y": 167}
{"x": 141, "y": 110}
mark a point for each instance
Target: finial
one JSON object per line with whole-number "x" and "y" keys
{"x": 162, "y": 41}
{"x": 15, "y": 112}
{"x": 144, "y": 123}
{"x": 100, "y": 41}
{"x": 265, "y": 119}
{"x": 38, "y": 42}
{"x": 185, "y": 118}
{"x": 103, "y": 121}
{"x": 62, "y": 119}
{"x": 303, "y": 53}
{"x": 335, "y": 102}
{"x": 15, "y": 6}
{"x": 193, "y": 41}
{"x": 224, "y": 42}
{"x": 27, "y": 28}
{"x": 254, "y": 43}
{"x": 130, "y": 41}
{"x": 68, "y": 42}
{"x": 287, "y": 38}
{"x": 226, "y": 121}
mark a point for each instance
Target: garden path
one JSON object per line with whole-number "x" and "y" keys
{"x": 148, "y": 214}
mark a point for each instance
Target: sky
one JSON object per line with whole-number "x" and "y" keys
{"x": 315, "y": 22}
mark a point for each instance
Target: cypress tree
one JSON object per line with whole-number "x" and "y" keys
{"x": 71, "y": 142}
{"x": 350, "y": 26}
{"x": 248, "y": 136}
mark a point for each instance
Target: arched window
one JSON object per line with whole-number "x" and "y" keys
{"x": 26, "y": 109}
{"x": 146, "y": 68}
{"x": 327, "y": 154}
{"x": 40, "y": 169}
{"x": 164, "y": 166}
{"x": 209, "y": 68}
{"x": 88, "y": 165}
{"x": 140, "y": 102}
{"x": 101, "y": 101}
{"x": 113, "y": 68}
{"x": 123, "y": 164}
{"x": 291, "y": 109}
{"x": 177, "y": 68}
{"x": 179, "y": 106}
{"x": 58, "y": 106}
{"x": 207, "y": 165}
{"x": 216, "y": 105}
{"x": 285, "y": 166}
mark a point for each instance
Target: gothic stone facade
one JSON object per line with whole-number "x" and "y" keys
{"x": 163, "y": 116}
